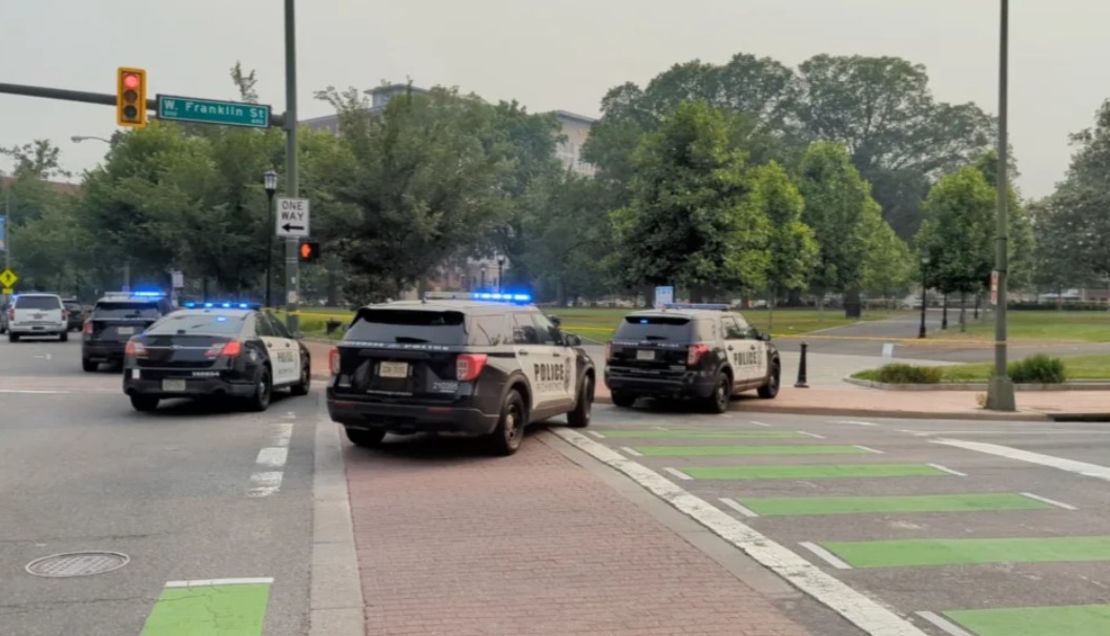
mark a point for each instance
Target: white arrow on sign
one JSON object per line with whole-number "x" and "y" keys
{"x": 291, "y": 220}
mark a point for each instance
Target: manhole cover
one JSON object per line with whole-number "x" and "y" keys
{"x": 77, "y": 564}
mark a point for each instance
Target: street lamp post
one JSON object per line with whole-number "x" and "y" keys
{"x": 482, "y": 282}
{"x": 500, "y": 265}
{"x": 269, "y": 182}
{"x": 79, "y": 138}
{"x": 924, "y": 296}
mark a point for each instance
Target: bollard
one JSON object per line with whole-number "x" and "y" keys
{"x": 801, "y": 383}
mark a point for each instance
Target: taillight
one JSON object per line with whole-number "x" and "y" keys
{"x": 65, "y": 314}
{"x": 134, "y": 349}
{"x": 88, "y": 328}
{"x": 694, "y": 354}
{"x": 333, "y": 361}
{"x": 469, "y": 365}
{"x": 229, "y": 349}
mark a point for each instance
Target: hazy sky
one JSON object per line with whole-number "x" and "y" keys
{"x": 548, "y": 55}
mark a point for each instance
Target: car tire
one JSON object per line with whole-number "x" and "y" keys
{"x": 365, "y": 439}
{"x": 302, "y": 387}
{"x": 89, "y": 366}
{"x": 580, "y": 416}
{"x": 506, "y": 438}
{"x": 774, "y": 380}
{"x": 144, "y": 403}
{"x": 717, "y": 402}
{"x": 63, "y": 337}
{"x": 263, "y": 391}
{"x": 13, "y": 337}
{"x": 623, "y": 400}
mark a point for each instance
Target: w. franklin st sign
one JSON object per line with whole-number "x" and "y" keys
{"x": 211, "y": 111}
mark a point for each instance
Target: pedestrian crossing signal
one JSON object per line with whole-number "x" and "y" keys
{"x": 308, "y": 251}
{"x": 131, "y": 97}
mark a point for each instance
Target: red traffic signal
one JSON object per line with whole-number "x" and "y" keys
{"x": 131, "y": 97}
{"x": 308, "y": 251}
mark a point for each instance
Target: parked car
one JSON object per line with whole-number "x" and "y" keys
{"x": 76, "y": 314}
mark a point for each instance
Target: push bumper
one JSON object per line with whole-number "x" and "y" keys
{"x": 688, "y": 384}
{"x": 407, "y": 419}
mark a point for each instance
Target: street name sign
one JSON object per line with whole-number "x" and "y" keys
{"x": 291, "y": 218}
{"x": 212, "y": 111}
{"x": 8, "y": 279}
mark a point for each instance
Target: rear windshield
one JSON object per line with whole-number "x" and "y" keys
{"x": 405, "y": 326}
{"x": 37, "y": 302}
{"x": 189, "y": 324}
{"x": 125, "y": 311}
{"x": 662, "y": 328}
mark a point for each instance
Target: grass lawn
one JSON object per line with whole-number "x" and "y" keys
{"x": 1077, "y": 368}
{"x": 1074, "y": 326}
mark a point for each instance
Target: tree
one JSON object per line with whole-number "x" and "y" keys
{"x": 957, "y": 233}
{"x": 888, "y": 265}
{"x": 792, "y": 248}
{"x": 687, "y": 222}
{"x": 836, "y": 203}
{"x": 899, "y": 137}
{"x": 1021, "y": 240}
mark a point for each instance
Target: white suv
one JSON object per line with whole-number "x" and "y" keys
{"x": 37, "y": 315}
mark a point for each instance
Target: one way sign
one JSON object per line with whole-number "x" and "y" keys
{"x": 292, "y": 218}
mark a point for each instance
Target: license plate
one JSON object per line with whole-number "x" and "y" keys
{"x": 173, "y": 386}
{"x": 393, "y": 370}
{"x": 645, "y": 355}
{"x": 39, "y": 316}
{"x": 125, "y": 331}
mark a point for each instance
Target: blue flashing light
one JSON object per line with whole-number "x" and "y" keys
{"x": 208, "y": 305}
{"x": 149, "y": 294}
{"x": 221, "y": 318}
{"x": 227, "y": 305}
{"x": 506, "y": 297}
{"x": 189, "y": 305}
{"x": 244, "y": 306}
{"x": 644, "y": 321}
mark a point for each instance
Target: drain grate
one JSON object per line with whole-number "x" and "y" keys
{"x": 77, "y": 564}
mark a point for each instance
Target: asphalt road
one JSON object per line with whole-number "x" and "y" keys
{"x": 908, "y": 532}
{"x": 80, "y": 470}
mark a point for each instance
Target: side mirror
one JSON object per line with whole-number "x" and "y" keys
{"x": 572, "y": 340}
{"x": 765, "y": 337}
{"x": 557, "y": 321}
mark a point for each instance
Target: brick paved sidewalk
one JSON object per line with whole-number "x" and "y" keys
{"x": 453, "y": 542}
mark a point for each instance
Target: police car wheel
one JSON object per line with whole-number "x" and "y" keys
{"x": 13, "y": 337}
{"x": 263, "y": 389}
{"x": 580, "y": 416}
{"x": 144, "y": 403}
{"x": 623, "y": 400}
{"x": 506, "y": 438}
{"x": 63, "y": 337}
{"x": 365, "y": 439}
{"x": 89, "y": 365}
{"x": 771, "y": 389}
{"x": 717, "y": 402}
{"x": 305, "y": 383}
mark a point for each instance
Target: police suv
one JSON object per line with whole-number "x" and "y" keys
{"x": 702, "y": 352}
{"x": 479, "y": 364}
{"x": 214, "y": 350}
{"x": 115, "y": 318}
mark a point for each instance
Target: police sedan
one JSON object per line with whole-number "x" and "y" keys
{"x": 215, "y": 350}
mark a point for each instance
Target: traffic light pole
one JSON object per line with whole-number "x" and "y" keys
{"x": 292, "y": 185}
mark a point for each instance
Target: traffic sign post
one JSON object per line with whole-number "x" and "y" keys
{"x": 212, "y": 111}
{"x": 291, "y": 218}
{"x": 994, "y": 287}
{"x": 8, "y": 279}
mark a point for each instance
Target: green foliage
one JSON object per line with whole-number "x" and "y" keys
{"x": 792, "y": 247}
{"x": 1038, "y": 369}
{"x": 837, "y": 201}
{"x": 908, "y": 374}
{"x": 958, "y": 231}
{"x": 687, "y": 222}
{"x": 888, "y": 266}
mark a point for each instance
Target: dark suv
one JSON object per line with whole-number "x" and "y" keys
{"x": 459, "y": 365}
{"x": 114, "y": 320}
{"x": 700, "y": 352}
{"x": 75, "y": 314}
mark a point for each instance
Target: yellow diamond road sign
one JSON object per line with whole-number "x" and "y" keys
{"x": 8, "y": 278}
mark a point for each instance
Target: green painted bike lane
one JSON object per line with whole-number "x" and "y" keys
{"x": 725, "y": 451}
{"x": 1067, "y": 620}
{"x": 227, "y": 607}
{"x": 833, "y": 505}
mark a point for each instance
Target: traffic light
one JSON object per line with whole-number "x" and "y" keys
{"x": 131, "y": 97}
{"x": 308, "y": 251}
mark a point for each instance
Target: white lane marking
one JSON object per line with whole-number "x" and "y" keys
{"x": 825, "y": 555}
{"x": 854, "y": 606}
{"x": 947, "y": 470}
{"x": 265, "y": 484}
{"x": 596, "y": 434}
{"x": 272, "y": 457}
{"x": 206, "y": 582}
{"x": 283, "y": 434}
{"x": 289, "y": 415}
{"x": 631, "y": 451}
{"x": 1051, "y": 502}
{"x": 760, "y": 423}
{"x": 944, "y": 624}
{"x": 677, "y": 473}
{"x": 1069, "y": 465}
{"x": 739, "y": 507}
{"x": 35, "y": 391}
{"x": 813, "y": 435}
{"x": 856, "y": 422}
{"x": 869, "y": 449}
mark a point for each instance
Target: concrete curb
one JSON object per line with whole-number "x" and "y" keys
{"x": 978, "y": 386}
{"x": 336, "y": 605}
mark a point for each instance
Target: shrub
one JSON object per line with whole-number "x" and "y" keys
{"x": 909, "y": 374}
{"x": 1038, "y": 369}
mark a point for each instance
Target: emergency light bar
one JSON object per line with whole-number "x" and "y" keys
{"x": 710, "y": 306}
{"x": 497, "y": 297}
{"x": 139, "y": 295}
{"x": 220, "y": 305}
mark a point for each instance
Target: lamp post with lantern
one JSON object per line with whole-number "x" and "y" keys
{"x": 269, "y": 182}
{"x": 924, "y": 289}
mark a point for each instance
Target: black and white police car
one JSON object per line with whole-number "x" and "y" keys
{"x": 478, "y": 364}
{"x": 702, "y": 352}
{"x": 214, "y": 350}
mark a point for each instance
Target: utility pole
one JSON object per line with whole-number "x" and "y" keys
{"x": 8, "y": 225}
{"x": 1000, "y": 391}
{"x": 292, "y": 282}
